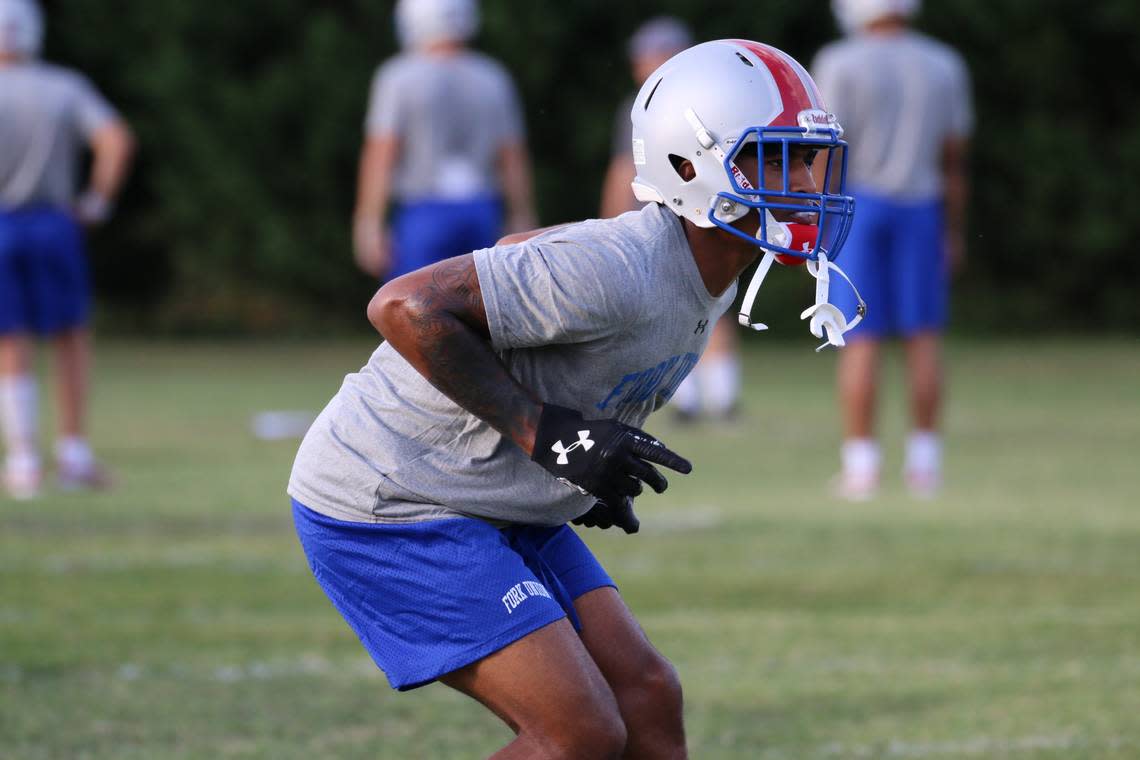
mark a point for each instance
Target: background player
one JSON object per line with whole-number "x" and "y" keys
{"x": 904, "y": 100}
{"x": 47, "y": 115}
{"x": 431, "y": 494}
{"x": 444, "y": 142}
{"x": 714, "y": 386}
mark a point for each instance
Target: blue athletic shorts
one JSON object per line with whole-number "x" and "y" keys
{"x": 44, "y": 285}
{"x": 895, "y": 255}
{"x": 431, "y": 597}
{"x": 424, "y": 232}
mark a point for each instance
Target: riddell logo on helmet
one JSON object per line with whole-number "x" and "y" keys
{"x": 815, "y": 118}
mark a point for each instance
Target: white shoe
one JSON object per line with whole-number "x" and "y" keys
{"x": 22, "y": 479}
{"x": 852, "y": 487}
{"x": 93, "y": 477}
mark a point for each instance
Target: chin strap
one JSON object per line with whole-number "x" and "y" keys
{"x": 824, "y": 316}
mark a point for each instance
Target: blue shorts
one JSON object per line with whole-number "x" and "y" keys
{"x": 895, "y": 255}
{"x": 424, "y": 232}
{"x": 429, "y": 598}
{"x": 44, "y": 286}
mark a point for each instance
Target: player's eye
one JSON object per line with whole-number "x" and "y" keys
{"x": 810, "y": 156}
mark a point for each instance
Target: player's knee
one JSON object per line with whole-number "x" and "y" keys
{"x": 662, "y": 687}
{"x": 599, "y": 733}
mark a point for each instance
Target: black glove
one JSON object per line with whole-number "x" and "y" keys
{"x": 603, "y": 516}
{"x": 606, "y": 458}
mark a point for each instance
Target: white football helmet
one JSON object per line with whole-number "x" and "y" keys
{"x": 420, "y": 22}
{"x": 853, "y": 15}
{"x": 21, "y": 28}
{"x": 705, "y": 105}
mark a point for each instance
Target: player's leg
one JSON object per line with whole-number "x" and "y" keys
{"x": 63, "y": 295}
{"x": 719, "y": 369}
{"x": 19, "y": 407}
{"x": 865, "y": 258}
{"x": 923, "y": 464}
{"x": 922, "y": 284}
{"x": 18, "y": 394}
{"x": 453, "y": 600}
{"x": 646, "y": 684}
{"x": 548, "y": 689}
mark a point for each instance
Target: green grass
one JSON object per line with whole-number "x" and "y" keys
{"x": 175, "y": 617}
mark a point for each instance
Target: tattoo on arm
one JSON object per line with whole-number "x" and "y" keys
{"x": 443, "y": 332}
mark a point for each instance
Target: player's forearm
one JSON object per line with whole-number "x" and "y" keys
{"x": 424, "y": 320}
{"x": 956, "y": 187}
{"x": 373, "y": 186}
{"x": 518, "y": 187}
{"x": 617, "y": 196}
{"x": 113, "y": 147}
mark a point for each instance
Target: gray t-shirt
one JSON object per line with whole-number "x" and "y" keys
{"x": 898, "y": 97}
{"x": 452, "y": 114}
{"x": 605, "y": 316}
{"x": 47, "y": 114}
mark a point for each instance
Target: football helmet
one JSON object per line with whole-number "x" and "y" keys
{"x": 853, "y": 15}
{"x": 420, "y": 22}
{"x": 21, "y": 28}
{"x": 706, "y": 105}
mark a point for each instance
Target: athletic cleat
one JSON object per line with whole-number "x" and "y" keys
{"x": 93, "y": 477}
{"x": 22, "y": 482}
{"x": 855, "y": 488}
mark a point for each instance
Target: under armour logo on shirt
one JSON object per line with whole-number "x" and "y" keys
{"x": 701, "y": 326}
{"x": 562, "y": 450}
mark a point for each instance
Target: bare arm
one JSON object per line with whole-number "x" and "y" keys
{"x": 956, "y": 197}
{"x": 113, "y": 147}
{"x": 373, "y": 189}
{"x": 434, "y": 317}
{"x": 518, "y": 188}
{"x": 617, "y": 195}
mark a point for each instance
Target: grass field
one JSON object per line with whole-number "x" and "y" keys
{"x": 175, "y": 617}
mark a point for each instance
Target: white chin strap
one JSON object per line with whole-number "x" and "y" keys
{"x": 824, "y": 317}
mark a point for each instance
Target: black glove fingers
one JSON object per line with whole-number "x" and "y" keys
{"x": 652, "y": 450}
{"x": 625, "y": 518}
{"x": 647, "y": 472}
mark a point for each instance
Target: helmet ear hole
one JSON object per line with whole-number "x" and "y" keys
{"x": 679, "y": 163}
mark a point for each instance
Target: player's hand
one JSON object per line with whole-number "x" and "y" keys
{"x": 92, "y": 208}
{"x": 370, "y": 247}
{"x": 603, "y": 516}
{"x": 606, "y": 458}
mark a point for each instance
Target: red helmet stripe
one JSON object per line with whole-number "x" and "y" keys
{"x": 797, "y": 90}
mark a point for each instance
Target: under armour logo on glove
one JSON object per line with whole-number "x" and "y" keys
{"x": 613, "y": 464}
{"x": 562, "y": 450}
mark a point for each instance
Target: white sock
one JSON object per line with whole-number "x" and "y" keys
{"x": 720, "y": 383}
{"x": 19, "y": 407}
{"x": 861, "y": 458}
{"x": 687, "y": 397}
{"x": 924, "y": 452}
{"x": 74, "y": 453}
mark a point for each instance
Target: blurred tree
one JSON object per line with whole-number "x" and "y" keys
{"x": 249, "y": 116}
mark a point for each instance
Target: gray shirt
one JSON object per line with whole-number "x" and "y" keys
{"x": 898, "y": 97}
{"x": 604, "y": 316}
{"x": 452, "y": 114}
{"x": 47, "y": 114}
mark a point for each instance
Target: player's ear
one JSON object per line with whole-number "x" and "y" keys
{"x": 686, "y": 169}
